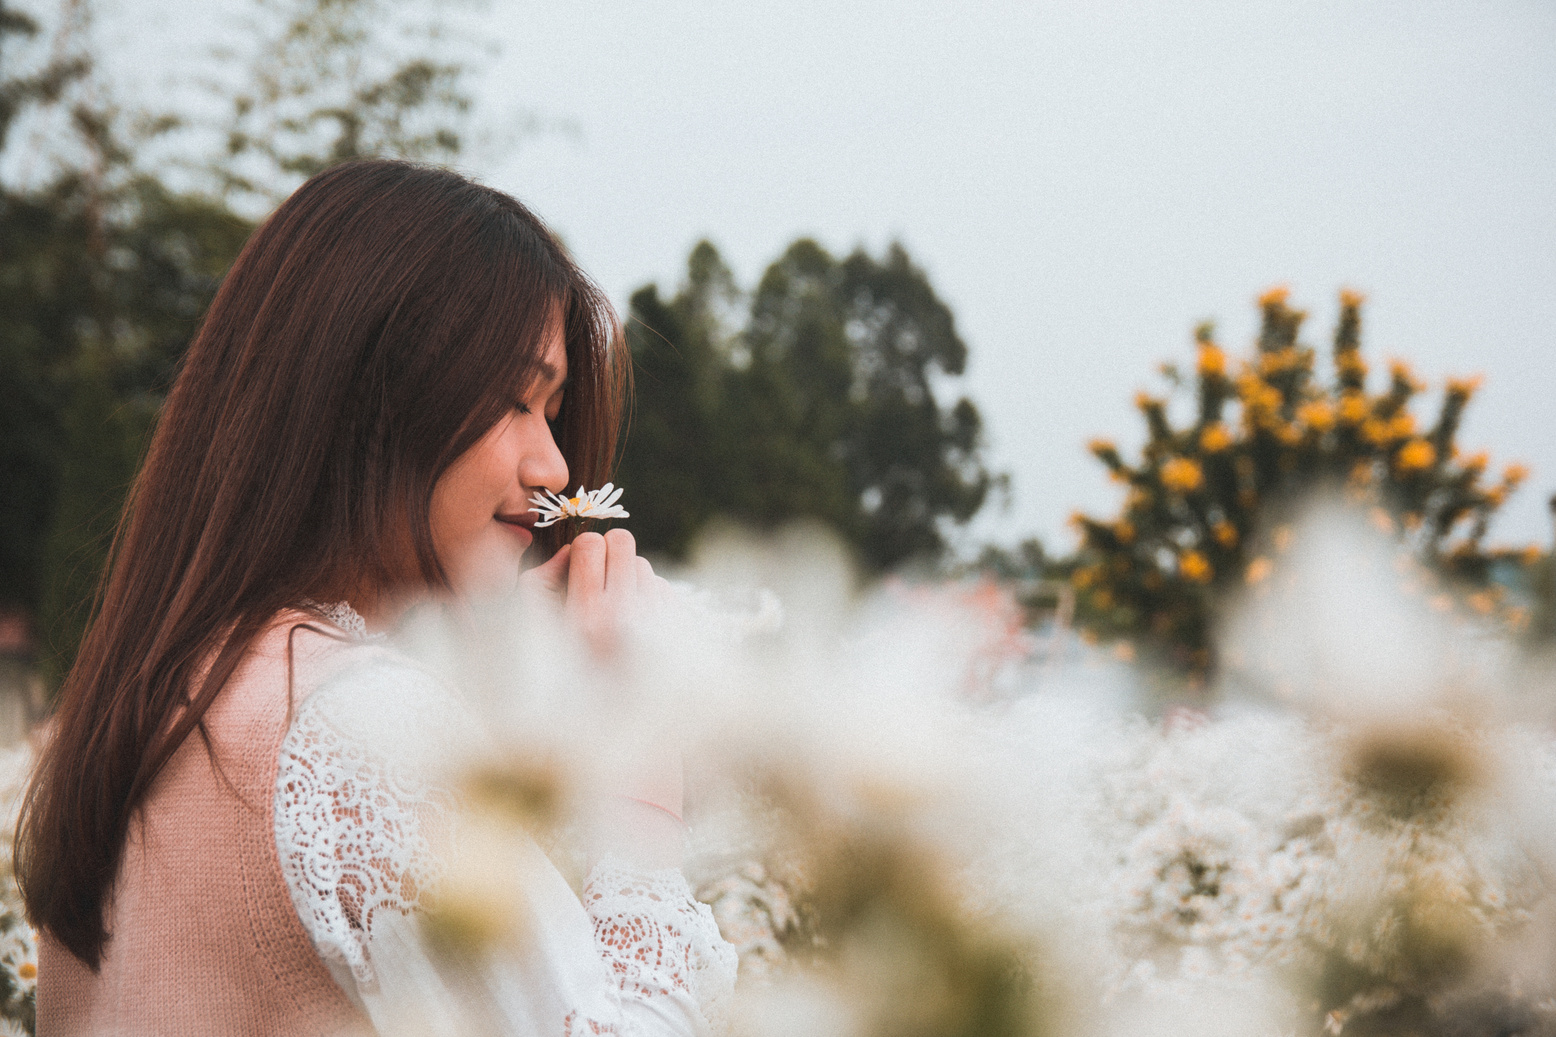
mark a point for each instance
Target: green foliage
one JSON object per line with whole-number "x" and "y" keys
{"x": 1207, "y": 502}
{"x": 332, "y": 82}
{"x": 814, "y": 398}
{"x": 105, "y": 269}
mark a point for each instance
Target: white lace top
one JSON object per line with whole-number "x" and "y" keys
{"x": 356, "y": 806}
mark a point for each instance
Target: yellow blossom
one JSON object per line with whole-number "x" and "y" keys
{"x": 1225, "y": 534}
{"x": 1258, "y": 571}
{"x": 1496, "y": 496}
{"x": 1100, "y": 446}
{"x": 1515, "y": 473}
{"x": 1353, "y": 408}
{"x": 1483, "y": 602}
{"x": 1412, "y": 520}
{"x": 27, "y": 970}
{"x": 1350, "y": 298}
{"x": 1182, "y": 475}
{"x": 1275, "y": 296}
{"x": 1465, "y": 386}
{"x": 1124, "y": 530}
{"x": 1478, "y": 460}
{"x": 1350, "y": 362}
{"x": 1280, "y": 360}
{"x": 1317, "y": 414}
{"x": 1402, "y": 373}
{"x": 1215, "y": 438}
{"x": 1102, "y": 598}
{"x": 1416, "y": 455}
{"x": 1083, "y": 578}
{"x": 1258, "y": 394}
{"x": 1376, "y": 431}
{"x": 1402, "y": 425}
{"x": 1212, "y": 361}
{"x": 1382, "y": 520}
{"x": 1517, "y": 618}
{"x": 1124, "y": 652}
{"x": 1195, "y": 568}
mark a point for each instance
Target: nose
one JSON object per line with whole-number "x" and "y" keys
{"x": 541, "y": 465}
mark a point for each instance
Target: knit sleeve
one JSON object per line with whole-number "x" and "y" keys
{"x": 360, "y": 811}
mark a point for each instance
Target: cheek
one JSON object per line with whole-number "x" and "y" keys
{"x": 468, "y": 495}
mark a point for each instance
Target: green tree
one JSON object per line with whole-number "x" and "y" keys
{"x": 1208, "y": 502}
{"x": 106, "y": 269}
{"x": 814, "y": 398}
{"x": 332, "y": 80}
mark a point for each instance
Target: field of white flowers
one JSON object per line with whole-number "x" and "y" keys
{"x": 18, "y": 950}
{"x": 905, "y": 834}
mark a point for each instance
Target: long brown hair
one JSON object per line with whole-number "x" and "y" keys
{"x": 372, "y": 329}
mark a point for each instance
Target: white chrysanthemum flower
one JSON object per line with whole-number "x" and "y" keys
{"x": 588, "y": 504}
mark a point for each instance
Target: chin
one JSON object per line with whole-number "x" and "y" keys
{"x": 491, "y": 572}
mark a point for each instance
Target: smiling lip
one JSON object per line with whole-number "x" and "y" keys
{"x": 522, "y": 524}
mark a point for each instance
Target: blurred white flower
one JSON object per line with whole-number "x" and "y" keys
{"x": 587, "y": 504}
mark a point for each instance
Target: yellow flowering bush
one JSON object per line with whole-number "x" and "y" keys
{"x": 1206, "y": 501}
{"x": 1182, "y": 475}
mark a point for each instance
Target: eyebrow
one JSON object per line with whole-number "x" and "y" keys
{"x": 550, "y": 373}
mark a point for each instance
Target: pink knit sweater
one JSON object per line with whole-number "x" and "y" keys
{"x": 204, "y": 939}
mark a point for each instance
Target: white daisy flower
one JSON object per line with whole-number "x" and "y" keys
{"x": 588, "y": 504}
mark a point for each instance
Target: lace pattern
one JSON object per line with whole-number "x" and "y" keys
{"x": 360, "y": 798}
{"x": 342, "y": 615}
{"x": 352, "y": 836}
{"x": 656, "y": 937}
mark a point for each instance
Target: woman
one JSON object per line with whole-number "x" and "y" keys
{"x": 396, "y": 362}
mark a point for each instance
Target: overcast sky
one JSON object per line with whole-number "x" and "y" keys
{"x": 1084, "y": 181}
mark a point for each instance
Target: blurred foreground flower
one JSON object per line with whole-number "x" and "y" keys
{"x": 895, "y": 947}
{"x": 1357, "y": 843}
{"x": 18, "y": 943}
{"x": 587, "y": 504}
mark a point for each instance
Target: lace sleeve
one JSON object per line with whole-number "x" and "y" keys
{"x": 359, "y": 805}
{"x": 352, "y": 836}
{"x": 660, "y": 942}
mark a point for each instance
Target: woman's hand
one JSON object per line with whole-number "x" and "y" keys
{"x": 602, "y": 581}
{"x": 604, "y": 584}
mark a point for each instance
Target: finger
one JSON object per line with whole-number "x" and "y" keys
{"x": 586, "y": 573}
{"x": 621, "y": 574}
{"x": 550, "y": 575}
{"x": 646, "y": 578}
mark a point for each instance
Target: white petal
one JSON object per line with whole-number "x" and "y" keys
{"x": 613, "y": 497}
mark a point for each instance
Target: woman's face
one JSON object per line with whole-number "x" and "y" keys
{"x": 481, "y": 522}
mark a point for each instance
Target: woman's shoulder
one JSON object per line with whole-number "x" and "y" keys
{"x": 367, "y": 695}
{"x": 319, "y": 646}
